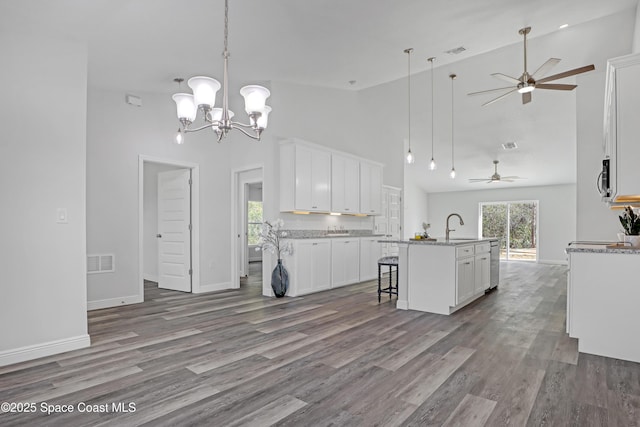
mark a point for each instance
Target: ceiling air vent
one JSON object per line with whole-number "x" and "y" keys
{"x": 100, "y": 263}
{"x": 509, "y": 146}
{"x": 456, "y": 51}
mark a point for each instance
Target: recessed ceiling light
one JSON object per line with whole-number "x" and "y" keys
{"x": 509, "y": 146}
{"x": 563, "y": 26}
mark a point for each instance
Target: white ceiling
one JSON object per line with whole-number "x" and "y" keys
{"x": 141, "y": 45}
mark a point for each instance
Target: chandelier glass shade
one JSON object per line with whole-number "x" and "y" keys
{"x": 219, "y": 119}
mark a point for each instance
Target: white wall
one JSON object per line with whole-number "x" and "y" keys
{"x": 556, "y": 207}
{"x": 415, "y": 207}
{"x": 42, "y": 168}
{"x": 636, "y": 33}
{"x": 150, "y": 218}
{"x": 594, "y": 220}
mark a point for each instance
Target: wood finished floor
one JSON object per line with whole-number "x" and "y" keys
{"x": 337, "y": 358}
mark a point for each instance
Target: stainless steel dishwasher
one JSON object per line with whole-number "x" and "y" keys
{"x": 495, "y": 264}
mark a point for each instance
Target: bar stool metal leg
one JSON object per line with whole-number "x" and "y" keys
{"x": 379, "y": 283}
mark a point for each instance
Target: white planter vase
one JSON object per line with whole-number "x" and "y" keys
{"x": 634, "y": 240}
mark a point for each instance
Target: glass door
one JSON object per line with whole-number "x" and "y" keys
{"x": 515, "y": 224}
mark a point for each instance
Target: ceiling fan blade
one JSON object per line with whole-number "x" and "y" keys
{"x": 526, "y": 97}
{"x": 568, "y": 73}
{"x": 500, "y": 97}
{"x": 544, "y": 68}
{"x": 474, "y": 180}
{"x": 506, "y": 180}
{"x": 510, "y": 177}
{"x": 490, "y": 90}
{"x": 556, "y": 86}
{"x": 506, "y": 78}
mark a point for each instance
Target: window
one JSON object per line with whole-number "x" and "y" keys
{"x": 516, "y": 224}
{"x": 254, "y": 222}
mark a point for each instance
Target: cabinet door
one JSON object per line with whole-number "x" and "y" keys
{"x": 320, "y": 181}
{"x": 345, "y": 262}
{"x": 482, "y": 272}
{"x": 313, "y": 179}
{"x": 627, "y": 131}
{"x": 464, "y": 279}
{"x": 302, "y": 280}
{"x": 370, "y": 189}
{"x": 345, "y": 184}
{"x": 321, "y": 265}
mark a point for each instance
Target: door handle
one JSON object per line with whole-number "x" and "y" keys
{"x": 159, "y": 236}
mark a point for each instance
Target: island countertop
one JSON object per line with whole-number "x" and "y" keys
{"x": 441, "y": 241}
{"x": 603, "y": 249}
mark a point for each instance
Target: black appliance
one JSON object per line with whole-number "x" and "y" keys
{"x": 604, "y": 182}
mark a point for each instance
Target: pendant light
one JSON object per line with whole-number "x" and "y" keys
{"x": 432, "y": 163}
{"x": 410, "y": 157}
{"x": 452, "y": 174}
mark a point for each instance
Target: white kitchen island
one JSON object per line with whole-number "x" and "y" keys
{"x": 442, "y": 276}
{"x": 603, "y": 296}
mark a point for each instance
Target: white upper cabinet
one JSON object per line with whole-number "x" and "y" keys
{"x": 305, "y": 179}
{"x": 316, "y": 179}
{"x": 345, "y": 184}
{"x": 370, "y": 188}
{"x": 622, "y": 127}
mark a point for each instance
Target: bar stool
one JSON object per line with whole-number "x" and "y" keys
{"x": 391, "y": 261}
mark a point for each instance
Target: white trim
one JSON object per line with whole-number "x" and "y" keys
{"x": 214, "y": 287}
{"x": 114, "y": 302}
{"x": 195, "y": 219}
{"x": 30, "y": 352}
{"x": 151, "y": 277}
{"x": 553, "y": 262}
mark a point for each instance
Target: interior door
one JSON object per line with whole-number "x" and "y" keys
{"x": 174, "y": 230}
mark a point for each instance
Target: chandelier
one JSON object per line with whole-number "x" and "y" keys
{"x": 219, "y": 119}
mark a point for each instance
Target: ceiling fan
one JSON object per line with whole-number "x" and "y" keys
{"x": 527, "y": 83}
{"x": 495, "y": 177}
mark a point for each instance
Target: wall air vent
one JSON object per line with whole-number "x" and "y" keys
{"x": 100, "y": 263}
{"x": 509, "y": 146}
{"x": 456, "y": 51}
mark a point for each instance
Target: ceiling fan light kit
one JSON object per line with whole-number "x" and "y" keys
{"x": 527, "y": 83}
{"x": 203, "y": 98}
{"x": 495, "y": 177}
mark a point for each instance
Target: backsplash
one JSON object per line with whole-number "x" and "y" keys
{"x": 323, "y": 222}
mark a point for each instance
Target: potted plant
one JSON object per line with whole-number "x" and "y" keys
{"x": 272, "y": 239}
{"x": 631, "y": 225}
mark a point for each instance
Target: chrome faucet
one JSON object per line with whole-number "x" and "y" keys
{"x": 450, "y": 229}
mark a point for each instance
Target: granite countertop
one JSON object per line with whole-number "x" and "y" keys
{"x": 441, "y": 241}
{"x": 604, "y": 248}
{"x": 323, "y": 234}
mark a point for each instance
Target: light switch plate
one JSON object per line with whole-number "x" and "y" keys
{"x": 61, "y": 216}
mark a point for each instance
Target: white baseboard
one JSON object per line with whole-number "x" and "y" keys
{"x": 114, "y": 302}
{"x": 553, "y": 262}
{"x": 212, "y": 287}
{"x": 150, "y": 277}
{"x": 402, "y": 305}
{"x": 22, "y": 354}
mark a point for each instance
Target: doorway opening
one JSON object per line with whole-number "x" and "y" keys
{"x": 246, "y": 217}
{"x": 515, "y": 224}
{"x": 168, "y": 225}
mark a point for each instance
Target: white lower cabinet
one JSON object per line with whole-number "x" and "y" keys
{"x": 482, "y": 266}
{"x": 345, "y": 261}
{"x": 309, "y": 266}
{"x": 371, "y": 250}
{"x": 465, "y": 279}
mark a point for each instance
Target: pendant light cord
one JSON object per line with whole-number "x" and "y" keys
{"x": 453, "y": 76}
{"x": 432, "y": 96}
{"x": 409, "y": 91}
